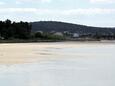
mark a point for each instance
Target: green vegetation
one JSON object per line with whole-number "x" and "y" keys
{"x": 51, "y": 31}
{"x": 69, "y": 30}
{"x": 22, "y": 32}
{"x": 49, "y": 36}
{"x": 9, "y": 30}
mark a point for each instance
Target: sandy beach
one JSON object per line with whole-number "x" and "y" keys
{"x": 14, "y": 53}
{"x": 57, "y": 64}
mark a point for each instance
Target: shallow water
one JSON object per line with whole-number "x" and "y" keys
{"x": 57, "y": 64}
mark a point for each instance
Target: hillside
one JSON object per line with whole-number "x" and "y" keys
{"x": 48, "y": 26}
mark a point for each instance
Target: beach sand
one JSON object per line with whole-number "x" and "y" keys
{"x": 14, "y": 53}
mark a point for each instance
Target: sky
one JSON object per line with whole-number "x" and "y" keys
{"x": 99, "y": 13}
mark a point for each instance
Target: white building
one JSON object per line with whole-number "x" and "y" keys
{"x": 75, "y": 35}
{"x": 58, "y": 33}
{"x": 39, "y": 32}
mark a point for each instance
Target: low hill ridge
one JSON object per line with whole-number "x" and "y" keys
{"x": 48, "y": 26}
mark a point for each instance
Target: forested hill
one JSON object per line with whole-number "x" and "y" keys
{"x": 46, "y": 30}
{"x": 48, "y": 26}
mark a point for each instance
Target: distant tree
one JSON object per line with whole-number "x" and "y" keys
{"x": 38, "y": 35}
{"x": 7, "y": 23}
{"x": 19, "y": 30}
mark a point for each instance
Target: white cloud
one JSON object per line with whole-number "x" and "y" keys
{"x": 102, "y": 1}
{"x": 89, "y": 11}
{"x": 44, "y": 1}
{"x": 15, "y": 10}
{"x": 2, "y": 3}
{"x": 18, "y": 2}
{"x": 83, "y": 16}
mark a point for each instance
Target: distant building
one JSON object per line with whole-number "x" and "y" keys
{"x": 66, "y": 32}
{"x": 39, "y": 32}
{"x": 58, "y": 33}
{"x": 75, "y": 35}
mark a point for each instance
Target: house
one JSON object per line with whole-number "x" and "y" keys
{"x": 75, "y": 35}
{"x": 39, "y": 32}
{"x": 58, "y": 33}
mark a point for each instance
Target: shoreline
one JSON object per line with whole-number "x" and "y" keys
{"x": 53, "y": 41}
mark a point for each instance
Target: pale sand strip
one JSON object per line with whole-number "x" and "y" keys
{"x": 35, "y": 52}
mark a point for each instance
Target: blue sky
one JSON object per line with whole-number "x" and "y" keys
{"x": 87, "y": 12}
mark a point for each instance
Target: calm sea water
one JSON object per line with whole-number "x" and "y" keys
{"x": 69, "y": 64}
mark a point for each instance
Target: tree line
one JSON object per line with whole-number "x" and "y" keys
{"x": 82, "y": 30}
{"x": 22, "y": 30}
{"x": 14, "y": 30}
{"x": 46, "y": 31}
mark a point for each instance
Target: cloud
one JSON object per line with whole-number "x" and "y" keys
{"x": 44, "y": 1}
{"x": 71, "y": 12}
{"x": 90, "y": 11}
{"x": 82, "y": 16}
{"x": 17, "y": 10}
{"x": 18, "y": 2}
{"x": 102, "y": 1}
{"x": 2, "y": 3}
